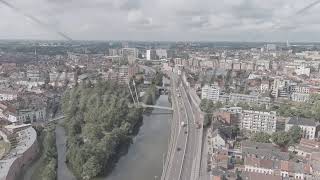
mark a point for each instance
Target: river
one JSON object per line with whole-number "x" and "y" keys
{"x": 62, "y": 171}
{"x": 144, "y": 160}
{"x": 145, "y": 157}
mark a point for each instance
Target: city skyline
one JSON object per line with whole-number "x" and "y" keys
{"x": 191, "y": 20}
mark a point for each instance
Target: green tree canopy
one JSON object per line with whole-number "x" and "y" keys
{"x": 281, "y": 138}
{"x": 261, "y": 137}
{"x": 295, "y": 134}
{"x": 99, "y": 121}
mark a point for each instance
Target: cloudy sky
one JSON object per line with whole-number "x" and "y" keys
{"x": 200, "y": 20}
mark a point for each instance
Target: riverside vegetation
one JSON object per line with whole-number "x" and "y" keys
{"x": 100, "y": 124}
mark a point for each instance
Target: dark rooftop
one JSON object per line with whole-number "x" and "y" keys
{"x": 302, "y": 121}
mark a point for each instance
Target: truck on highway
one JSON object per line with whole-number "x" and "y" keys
{"x": 183, "y": 124}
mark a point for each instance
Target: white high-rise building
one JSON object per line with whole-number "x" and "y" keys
{"x": 257, "y": 121}
{"x": 210, "y": 92}
{"x": 130, "y": 54}
{"x": 148, "y": 55}
{"x": 161, "y": 53}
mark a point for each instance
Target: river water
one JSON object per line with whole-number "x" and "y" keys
{"x": 145, "y": 157}
{"x": 62, "y": 172}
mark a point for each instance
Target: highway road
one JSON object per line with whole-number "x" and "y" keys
{"x": 183, "y": 164}
{"x": 175, "y": 157}
{"x": 192, "y": 139}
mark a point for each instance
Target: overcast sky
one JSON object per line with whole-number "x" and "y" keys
{"x": 200, "y": 20}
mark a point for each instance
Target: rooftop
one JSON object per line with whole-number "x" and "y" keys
{"x": 301, "y": 121}
{"x": 255, "y": 176}
{"x": 263, "y": 151}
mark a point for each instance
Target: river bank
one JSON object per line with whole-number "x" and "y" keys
{"x": 145, "y": 157}
{"x": 148, "y": 148}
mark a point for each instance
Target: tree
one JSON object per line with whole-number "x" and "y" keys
{"x": 203, "y": 104}
{"x": 281, "y": 138}
{"x": 235, "y": 131}
{"x": 261, "y": 137}
{"x": 295, "y": 134}
{"x": 99, "y": 123}
{"x": 207, "y": 120}
{"x": 244, "y": 105}
{"x": 49, "y": 172}
{"x": 91, "y": 168}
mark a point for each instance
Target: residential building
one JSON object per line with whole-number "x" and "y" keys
{"x": 148, "y": 55}
{"x": 306, "y": 148}
{"x": 259, "y": 176}
{"x": 227, "y": 118}
{"x": 130, "y": 54}
{"x": 308, "y": 126}
{"x": 258, "y": 121}
{"x": 219, "y": 137}
{"x": 300, "y": 97}
{"x": 264, "y": 86}
{"x": 8, "y": 95}
{"x": 260, "y": 165}
{"x": 161, "y": 53}
{"x": 33, "y": 75}
{"x": 245, "y": 98}
{"x": 210, "y": 92}
{"x": 220, "y": 159}
{"x": 262, "y": 151}
{"x": 303, "y": 71}
{"x": 280, "y": 88}
{"x": 23, "y": 151}
{"x": 295, "y": 170}
{"x": 115, "y": 52}
{"x": 300, "y": 93}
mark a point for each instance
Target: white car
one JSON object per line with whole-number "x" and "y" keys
{"x": 183, "y": 124}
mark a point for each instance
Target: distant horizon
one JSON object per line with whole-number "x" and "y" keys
{"x": 163, "y": 41}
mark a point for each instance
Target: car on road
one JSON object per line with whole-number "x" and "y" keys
{"x": 178, "y": 149}
{"x": 183, "y": 124}
{"x": 198, "y": 125}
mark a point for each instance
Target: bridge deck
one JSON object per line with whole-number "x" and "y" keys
{"x": 157, "y": 107}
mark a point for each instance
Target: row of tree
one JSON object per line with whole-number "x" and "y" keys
{"x": 99, "y": 124}
{"x": 49, "y": 170}
{"x": 157, "y": 80}
{"x": 281, "y": 138}
{"x": 310, "y": 109}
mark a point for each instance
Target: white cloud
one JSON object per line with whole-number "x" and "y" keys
{"x": 162, "y": 19}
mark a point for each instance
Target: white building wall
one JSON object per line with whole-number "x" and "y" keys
{"x": 8, "y": 96}
{"x": 258, "y": 170}
{"x": 256, "y": 121}
{"x": 309, "y": 132}
{"x": 210, "y": 92}
{"x": 148, "y": 55}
